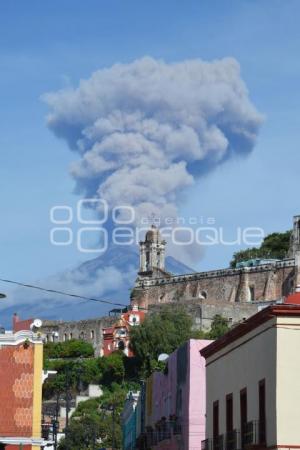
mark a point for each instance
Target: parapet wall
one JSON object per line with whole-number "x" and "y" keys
{"x": 260, "y": 283}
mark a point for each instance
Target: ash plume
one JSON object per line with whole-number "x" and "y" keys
{"x": 145, "y": 131}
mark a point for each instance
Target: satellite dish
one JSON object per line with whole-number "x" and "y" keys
{"x": 37, "y": 323}
{"x": 163, "y": 357}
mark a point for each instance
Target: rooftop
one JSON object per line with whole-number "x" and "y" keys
{"x": 290, "y": 308}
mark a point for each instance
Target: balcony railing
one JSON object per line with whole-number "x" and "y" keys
{"x": 232, "y": 440}
{"x": 253, "y": 433}
{"x": 164, "y": 431}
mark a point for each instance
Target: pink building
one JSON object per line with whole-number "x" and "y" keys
{"x": 175, "y": 401}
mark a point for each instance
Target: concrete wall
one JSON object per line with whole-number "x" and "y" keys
{"x": 288, "y": 381}
{"x": 89, "y": 330}
{"x": 197, "y": 395}
{"x": 129, "y": 421}
{"x": 180, "y": 392}
{"x": 242, "y": 364}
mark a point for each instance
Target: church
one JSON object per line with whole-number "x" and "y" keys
{"x": 235, "y": 294}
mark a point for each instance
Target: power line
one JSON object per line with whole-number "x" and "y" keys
{"x": 67, "y": 294}
{"x": 82, "y": 297}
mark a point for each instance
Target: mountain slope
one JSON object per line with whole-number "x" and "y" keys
{"x": 110, "y": 276}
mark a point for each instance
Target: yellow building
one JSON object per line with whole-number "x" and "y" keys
{"x": 253, "y": 383}
{"x": 21, "y": 378}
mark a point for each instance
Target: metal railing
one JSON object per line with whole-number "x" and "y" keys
{"x": 252, "y": 433}
{"x": 232, "y": 440}
{"x": 164, "y": 432}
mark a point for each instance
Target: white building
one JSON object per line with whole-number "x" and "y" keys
{"x": 253, "y": 382}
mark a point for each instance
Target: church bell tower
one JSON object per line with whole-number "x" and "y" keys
{"x": 152, "y": 253}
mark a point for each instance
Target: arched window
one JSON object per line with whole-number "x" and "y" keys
{"x": 65, "y": 337}
{"x": 92, "y": 334}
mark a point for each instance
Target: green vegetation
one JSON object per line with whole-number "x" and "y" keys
{"x": 98, "y": 420}
{"x": 163, "y": 332}
{"x": 274, "y": 245}
{"x": 69, "y": 349}
{"x": 219, "y": 327}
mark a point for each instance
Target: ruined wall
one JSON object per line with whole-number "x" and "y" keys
{"x": 88, "y": 330}
{"x": 203, "y": 313}
{"x": 260, "y": 283}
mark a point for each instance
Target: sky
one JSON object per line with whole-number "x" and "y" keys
{"x": 51, "y": 46}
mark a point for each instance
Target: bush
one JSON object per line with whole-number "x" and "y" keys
{"x": 70, "y": 349}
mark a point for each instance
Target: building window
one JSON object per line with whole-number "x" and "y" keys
{"x": 229, "y": 413}
{"x": 251, "y": 293}
{"x": 243, "y": 414}
{"x": 262, "y": 411}
{"x": 215, "y": 419}
{"x": 81, "y": 336}
{"x": 71, "y": 336}
{"x": 65, "y": 337}
{"x": 92, "y": 334}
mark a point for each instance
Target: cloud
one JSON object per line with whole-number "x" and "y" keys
{"x": 145, "y": 131}
{"x": 98, "y": 283}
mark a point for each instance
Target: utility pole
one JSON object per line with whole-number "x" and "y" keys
{"x": 67, "y": 398}
{"x": 55, "y": 423}
{"x": 113, "y": 428}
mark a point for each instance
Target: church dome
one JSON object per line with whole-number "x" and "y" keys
{"x": 153, "y": 235}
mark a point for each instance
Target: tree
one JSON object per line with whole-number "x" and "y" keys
{"x": 83, "y": 433}
{"x": 112, "y": 368}
{"x": 161, "y": 332}
{"x": 219, "y": 327}
{"x": 274, "y": 245}
{"x": 97, "y": 421}
{"x": 73, "y": 375}
{"x": 74, "y": 348}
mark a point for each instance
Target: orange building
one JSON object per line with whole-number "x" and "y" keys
{"x": 21, "y": 377}
{"x": 116, "y": 337}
